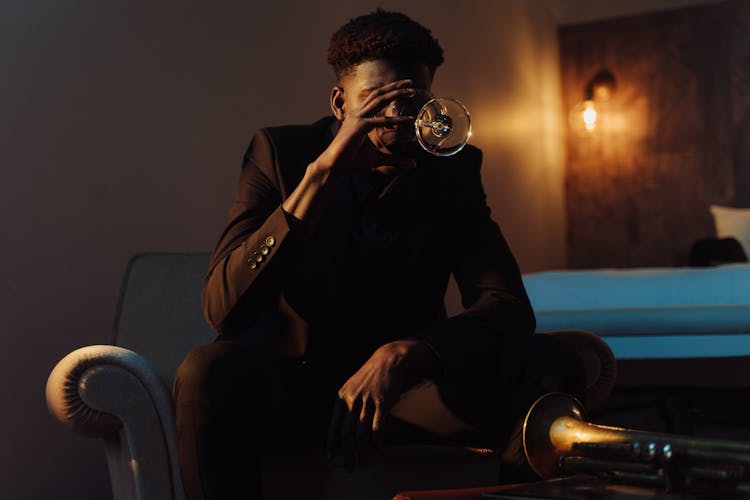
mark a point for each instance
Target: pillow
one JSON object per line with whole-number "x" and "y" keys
{"x": 733, "y": 223}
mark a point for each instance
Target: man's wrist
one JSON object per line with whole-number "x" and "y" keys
{"x": 319, "y": 171}
{"x": 419, "y": 358}
{"x": 308, "y": 193}
{"x": 294, "y": 223}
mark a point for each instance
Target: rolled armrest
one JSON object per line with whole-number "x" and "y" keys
{"x": 113, "y": 393}
{"x": 72, "y": 388}
{"x": 70, "y": 377}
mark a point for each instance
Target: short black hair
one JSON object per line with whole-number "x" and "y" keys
{"x": 382, "y": 35}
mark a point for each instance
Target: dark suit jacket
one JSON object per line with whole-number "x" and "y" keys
{"x": 375, "y": 270}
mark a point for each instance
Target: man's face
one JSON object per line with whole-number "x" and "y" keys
{"x": 368, "y": 76}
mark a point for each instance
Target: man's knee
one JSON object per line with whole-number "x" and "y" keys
{"x": 558, "y": 366}
{"x": 212, "y": 372}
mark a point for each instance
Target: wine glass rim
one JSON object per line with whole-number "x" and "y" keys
{"x": 443, "y": 98}
{"x": 468, "y": 132}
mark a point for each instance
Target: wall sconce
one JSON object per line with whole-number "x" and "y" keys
{"x": 588, "y": 115}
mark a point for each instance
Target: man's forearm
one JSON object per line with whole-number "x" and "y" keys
{"x": 305, "y": 203}
{"x": 419, "y": 359}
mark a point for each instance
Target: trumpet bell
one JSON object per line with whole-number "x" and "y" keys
{"x": 558, "y": 440}
{"x": 541, "y": 453}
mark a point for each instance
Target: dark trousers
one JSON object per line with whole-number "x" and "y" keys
{"x": 233, "y": 407}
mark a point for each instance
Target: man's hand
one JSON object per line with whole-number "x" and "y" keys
{"x": 367, "y": 397}
{"x": 350, "y": 148}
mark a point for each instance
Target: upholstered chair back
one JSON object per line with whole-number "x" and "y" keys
{"x": 159, "y": 313}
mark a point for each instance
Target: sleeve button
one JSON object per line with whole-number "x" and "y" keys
{"x": 253, "y": 265}
{"x": 264, "y": 250}
{"x": 270, "y": 241}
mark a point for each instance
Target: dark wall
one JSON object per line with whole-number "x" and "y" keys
{"x": 676, "y": 137}
{"x": 122, "y": 130}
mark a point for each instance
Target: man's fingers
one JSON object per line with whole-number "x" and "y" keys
{"x": 418, "y": 99}
{"x": 387, "y": 121}
{"x": 390, "y": 87}
{"x": 377, "y": 418}
{"x": 372, "y": 107}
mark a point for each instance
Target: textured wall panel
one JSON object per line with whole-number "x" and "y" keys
{"x": 676, "y": 137}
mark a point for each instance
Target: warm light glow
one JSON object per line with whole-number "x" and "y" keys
{"x": 589, "y": 115}
{"x": 586, "y": 117}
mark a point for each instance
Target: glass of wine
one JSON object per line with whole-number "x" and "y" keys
{"x": 443, "y": 126}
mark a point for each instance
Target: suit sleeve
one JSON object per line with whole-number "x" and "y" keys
{"x": 245, "y": 267}
{"x": 496, "y": 306}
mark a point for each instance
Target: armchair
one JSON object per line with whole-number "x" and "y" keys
{"x": 119, "y": 394}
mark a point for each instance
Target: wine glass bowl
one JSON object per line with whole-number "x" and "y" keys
{"x": 443, "y": 126}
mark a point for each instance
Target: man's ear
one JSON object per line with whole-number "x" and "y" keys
{"x": 337, "y": 102}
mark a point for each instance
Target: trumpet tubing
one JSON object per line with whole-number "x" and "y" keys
{"x": 557, "y": 439}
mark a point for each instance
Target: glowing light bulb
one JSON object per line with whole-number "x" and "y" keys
{"x": 589, "y": 115}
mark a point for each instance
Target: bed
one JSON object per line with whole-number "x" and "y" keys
{"x": 659, "y": 322}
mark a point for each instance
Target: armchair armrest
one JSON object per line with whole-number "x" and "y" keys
{"x": 113, "y": 393}
{"x": 598, "y": 362}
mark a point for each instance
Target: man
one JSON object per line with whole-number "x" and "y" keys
{"x": 327, "y": 284}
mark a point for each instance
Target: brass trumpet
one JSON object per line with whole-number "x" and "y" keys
{"x": 557, "y": 441}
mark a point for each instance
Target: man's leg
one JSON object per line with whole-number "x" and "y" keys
{"x": 485, "y": 405}
{"x": 232, "y": 406}
{"x": 495, "y": 399}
